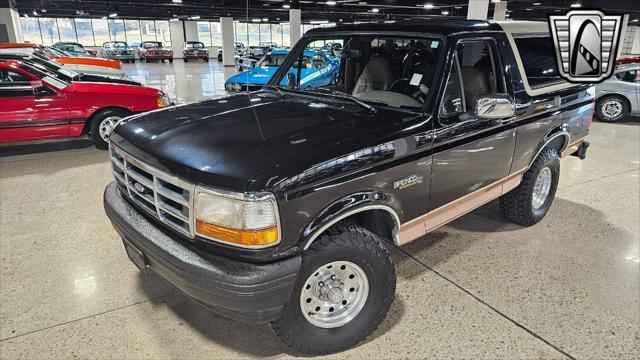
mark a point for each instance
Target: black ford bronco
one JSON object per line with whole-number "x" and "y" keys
{"x": 279, "y": 205}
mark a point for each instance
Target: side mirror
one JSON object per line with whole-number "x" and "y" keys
{"x": 494, "y": 106}
{"x": 291, "y": 81}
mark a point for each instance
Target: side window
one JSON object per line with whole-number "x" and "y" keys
{"x": 478, "y": 70}
{"x": 627, "y": 76}
{"x": 538, "y": 60}
{"x": 14, "y": 84}
{"x": 475, "y": 71}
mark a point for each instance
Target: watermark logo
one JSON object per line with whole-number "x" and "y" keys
{"x": 586, "y": 42}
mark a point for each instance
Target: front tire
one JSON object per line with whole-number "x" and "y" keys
{"x": 344, "y": 290}
{"x": 102, "y": 123}
{"x": 531, "y": 200}
{"x": 611, "y": 108}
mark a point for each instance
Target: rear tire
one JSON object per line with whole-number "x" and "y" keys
{"x": 611, "y": 108}
{"x": 364, "y": 278}
{"x": 102, "y": 123}
{"x": 531, "y": 200}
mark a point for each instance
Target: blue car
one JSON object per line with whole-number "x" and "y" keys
{"x": 318, "y": 70}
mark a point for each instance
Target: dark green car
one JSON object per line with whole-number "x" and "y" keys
{"x": 118, "y": 50}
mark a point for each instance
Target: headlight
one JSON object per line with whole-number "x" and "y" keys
{"x": 163, "y": 100}
{"x": 237, "y": 86}
{"x": 245, "y": 220}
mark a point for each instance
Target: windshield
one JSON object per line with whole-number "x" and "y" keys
{"x": 116, "y": 44}
{"x": 43, "y": 72}
{"x": 272, "y": 60}
{"x": 385, "y": 70}
{"x": 55, "y": 52}
{"x": 72, "y": 47}
{"x": 195, "y": 45}
{"x": 148, "y": 45}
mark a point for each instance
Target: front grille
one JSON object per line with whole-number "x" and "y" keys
{"x": 163, "y": 196}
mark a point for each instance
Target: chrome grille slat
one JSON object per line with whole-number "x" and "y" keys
{"x": 164, "y": 196}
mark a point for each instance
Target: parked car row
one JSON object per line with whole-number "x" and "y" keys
{"x": 44, "y": 99}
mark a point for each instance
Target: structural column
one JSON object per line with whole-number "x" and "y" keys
{"x": 10, "y": 30}
{"x": 295, "y": 22}
{"x": 623, "y": 44}
{"x": 499, "y": 10}
{"x": 478, "y": 9}
{"x": 228, "y": 47}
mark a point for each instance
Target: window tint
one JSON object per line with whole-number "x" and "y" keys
{"x": 539, "y": 60}
{"x": 478, "y": 70}
{"x": 627, "y": 76}
{"x": 14, "y": 84}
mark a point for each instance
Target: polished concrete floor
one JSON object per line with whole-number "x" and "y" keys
{"x": 480, "y": 287}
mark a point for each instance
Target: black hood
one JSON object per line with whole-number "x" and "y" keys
{"x": 225, "y": 142}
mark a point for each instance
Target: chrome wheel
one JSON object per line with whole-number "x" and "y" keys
{"x": 612, "y": 109}
{"x": 106, "y": 126}
{"x": 541, "y": 188}
{"x": 334, "y": 294}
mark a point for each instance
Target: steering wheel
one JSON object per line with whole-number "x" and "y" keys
{"x": 396, "y": 82}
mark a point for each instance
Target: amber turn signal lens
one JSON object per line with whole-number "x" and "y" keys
{"x": 242, "y": 237}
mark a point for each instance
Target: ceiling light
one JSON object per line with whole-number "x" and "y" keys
{"x": 26, "y": 15}
{"x": 457, "y": 7}
{"x": 318, "y": 22}
{"x": 113, "y": 14}
{"x": 494, "y": 1}
{"x": 428, "y": 6}
{"x": 528, "y": 9}
{"x": 265, "y": 19}
{"x": 194, "y": 17}
{"x": 537, "y": 4}
{"x": 286, "y": 6}
{"x": 255, "y": 20}
{"x": 43, "y": 10}
{"x": 35, "y": 13}
{"x": 174, "y": 19}
{"x": 445, "y": 12}
{"x": 634, "y": 20}
{"x": 177, "y": 1}
{"x": 341, "y": 20}
{"x": 576, "y": 5}
{"x": 331, "y": 3}
{"x": 104, "y": 17}
{"x": 507, "y": 15}
{"x": 375, "y": 10}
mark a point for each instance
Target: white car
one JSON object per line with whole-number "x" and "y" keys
{"x": 619, "y": 95}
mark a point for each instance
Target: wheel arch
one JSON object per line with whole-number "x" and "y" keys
{"x": 558, "y": 138}
{"x": 89, "y": 121}
{"x": 374, "y": 215}
{"x": 617, "y": 94}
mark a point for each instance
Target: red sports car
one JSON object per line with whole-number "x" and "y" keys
{"x": 36, "y": 105}
{"x": 628, "y": 60}
{"x": 154, "y": 50}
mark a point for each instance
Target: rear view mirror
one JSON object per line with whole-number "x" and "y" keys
{"x": 494, "y": 106}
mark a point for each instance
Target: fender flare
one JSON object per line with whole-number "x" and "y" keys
{"x": 344, "y": 207}
{"x": 562, "y": 130}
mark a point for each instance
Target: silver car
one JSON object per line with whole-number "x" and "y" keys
{"x": 619, "y": 95}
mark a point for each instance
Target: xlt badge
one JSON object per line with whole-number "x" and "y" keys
{"x": 406, "y": 182}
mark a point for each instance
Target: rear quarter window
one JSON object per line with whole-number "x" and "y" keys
{"x": 538, "y": 60}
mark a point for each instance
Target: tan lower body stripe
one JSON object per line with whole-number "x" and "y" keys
{"x": 432, "y": 220}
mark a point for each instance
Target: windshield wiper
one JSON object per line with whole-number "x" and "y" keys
{"x": 344, "y": 95}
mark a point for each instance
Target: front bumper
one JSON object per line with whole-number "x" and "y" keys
{"x": 120, "y": 56}
{"x": 235, "y": 289}
{"x": 157, "y": 57}
{"x": 195, "y": 56}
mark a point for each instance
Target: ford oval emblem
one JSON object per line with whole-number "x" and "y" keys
{"x": 138, "y": 187}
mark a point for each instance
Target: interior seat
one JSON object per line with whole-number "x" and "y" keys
{"x": 376, "y": 75}
{"x": 475, "y": 83}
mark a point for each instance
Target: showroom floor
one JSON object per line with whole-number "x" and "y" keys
{"x": 568, "y": 287}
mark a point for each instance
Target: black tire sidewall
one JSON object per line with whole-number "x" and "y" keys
{"x": 601, "y": 116}
{"x": 95, "y": 125}
{"x": 553, "y": 163}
